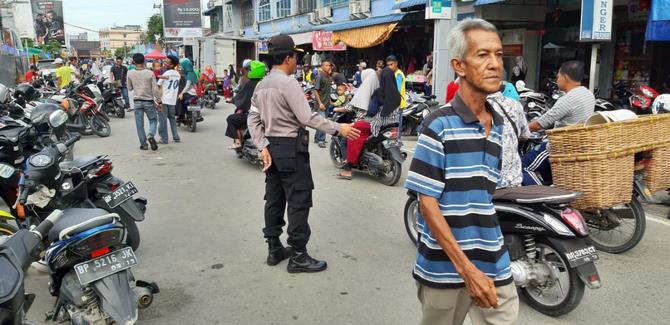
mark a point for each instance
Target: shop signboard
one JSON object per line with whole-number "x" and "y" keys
{"x": 262, "y": 47}
{"x": 182, "y": 18}
{"x": 439, "y": 9}
{"x": 596, "y": 20}
{"x": 48, "y": 21}
{"x": 638, "y": 10}
{"x": 323, "y": 41}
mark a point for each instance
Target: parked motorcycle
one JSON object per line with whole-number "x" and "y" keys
{"x": 112, "y": 101}
{"x": 381, "y": 156}
{"x": 639, "y": 99}
{"x": 418, "y": 107}
{"x": 83, "y": 110}
{"x": 546, "y": 239}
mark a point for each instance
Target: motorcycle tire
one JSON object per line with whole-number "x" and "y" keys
{"x": 6, "y": 230}
{"x": 335, "y": 154}
{"x": 394, "y": 174}
{"x": 120, "y": 113}
{"x": 132, "y": 233}
{"x": 410, "y": 217}
{"x": 409, "y": 127}
{"x": 571, "y": 299}
{"x": 640, "y": 222}
{"x": 100, "y": 126}
{"x": 194, "y": 124}
{"x": 88, "y": 130}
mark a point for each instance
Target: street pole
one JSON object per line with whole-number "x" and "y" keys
{"x": 443, "y": 73}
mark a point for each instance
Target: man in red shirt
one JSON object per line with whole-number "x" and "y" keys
{"x": 32, "y": 73}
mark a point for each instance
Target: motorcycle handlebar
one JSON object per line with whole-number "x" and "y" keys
{"x": 24, "y": 194}
{"x": 72, "y": 140}
{"x": 43, "y": 228}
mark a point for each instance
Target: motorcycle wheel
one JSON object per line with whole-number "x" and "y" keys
{"x": 119, "y": 109}
{"x": 392, "y": 172}
{"x": 411, "y": 221}
{"x": 559, "y": 301}
{"x": 618, "y": 229}
{"x": 194, "y": 123}
{"x": 88, "y": 130}
{"x": 133, "y": 234}
{"x": 408, "y": 127}
{"x": 335, "y": 154}
{"x": 6, "y": 230}
{"x": 100, "y": 126}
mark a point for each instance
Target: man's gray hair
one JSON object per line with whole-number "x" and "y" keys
{"x": 457, "y": 42}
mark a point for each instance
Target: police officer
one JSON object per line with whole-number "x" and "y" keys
{"x": 277, "y": 119}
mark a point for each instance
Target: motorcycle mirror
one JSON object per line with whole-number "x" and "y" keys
{"x": 57, "y": 118}
{"x": 6, "y": 171}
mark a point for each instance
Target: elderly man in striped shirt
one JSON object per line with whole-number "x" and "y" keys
{"x": 462, "y": 264}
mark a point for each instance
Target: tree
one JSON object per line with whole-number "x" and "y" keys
{"x": 122, "y": 51}
{"x": 53, "y": 47}
{"x": 29, "y": 42}
{"x": 155, "y": 27}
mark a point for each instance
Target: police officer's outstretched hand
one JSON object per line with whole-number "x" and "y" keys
{"x": 267, "y": 159}
{"x": 349, "y": 132}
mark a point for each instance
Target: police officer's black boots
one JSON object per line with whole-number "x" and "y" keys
{"x": 302, "y": 262}
{"x": 276, "y": 251}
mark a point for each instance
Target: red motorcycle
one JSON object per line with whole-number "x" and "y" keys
{"x": 84, "y": 112}
{"x": 639, "y": 99}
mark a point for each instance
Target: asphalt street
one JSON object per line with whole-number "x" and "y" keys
{"x": 202, "y": 244}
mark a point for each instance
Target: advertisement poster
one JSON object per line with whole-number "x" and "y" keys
{"x": 323, "y": 41}
{"x": 182, "y": 18}
{"x": 48, "y": 21}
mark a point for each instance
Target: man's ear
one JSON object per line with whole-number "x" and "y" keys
{"x": 458, "y": 66}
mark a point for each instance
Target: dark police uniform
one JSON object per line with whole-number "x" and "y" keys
{"x": 277, "y": 119}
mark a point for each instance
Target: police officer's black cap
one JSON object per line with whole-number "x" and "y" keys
{"x": 282, "y": 43}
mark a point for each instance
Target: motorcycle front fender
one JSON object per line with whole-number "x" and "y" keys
{"x": 117, "y": 298}
{"x": 396, "y": 154}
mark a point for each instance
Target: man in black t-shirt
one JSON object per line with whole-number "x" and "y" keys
{"x": 118, "y": 75}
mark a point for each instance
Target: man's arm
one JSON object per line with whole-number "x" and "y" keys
{"x": 255, "y": 125}
{"x": 555, "y": 114}
{"x": 296, "y": 101}
{"x": 154, "y": 89}
{"x": 129, "y": 83}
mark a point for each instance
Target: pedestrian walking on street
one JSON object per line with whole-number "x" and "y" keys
{"x": 147, "y": 98}
{"x": 118, "y": 75}
{"x": 277, "y": 119}
{"x": 169, "y": 84}
{"x": 462, "y": 265}
{"x": 322, "y": 90}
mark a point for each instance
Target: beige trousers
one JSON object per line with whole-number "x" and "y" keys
{"x": 450, "y": 306}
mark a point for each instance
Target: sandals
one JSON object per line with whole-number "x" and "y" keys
{"x": 235, "y": 146}
{"x": 342, "y": 176}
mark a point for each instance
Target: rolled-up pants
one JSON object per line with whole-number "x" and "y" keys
{"x": 288, "y": 182}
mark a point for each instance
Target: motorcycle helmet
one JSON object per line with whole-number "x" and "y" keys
{"x": 26, "y": 92}
{"x": 661, "y": 104}
{"x": 257, "y": 70}
{"x": 4, "y": 94}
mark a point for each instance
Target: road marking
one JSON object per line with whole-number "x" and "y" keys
{"x": 659, "y": 220}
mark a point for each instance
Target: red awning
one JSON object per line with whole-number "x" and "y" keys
{"x": 155, "y": 54}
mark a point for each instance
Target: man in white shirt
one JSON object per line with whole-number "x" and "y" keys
{"x": 169, "y": 84}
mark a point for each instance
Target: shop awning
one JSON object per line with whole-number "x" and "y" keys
{"x": 658, "y": 30}
{"x": 209, "y": 11}
{"x": 409, "y": 3}
{"x": 364, "y": 22}
{"x": 365, "y": 37}
{"x": 486, "y": 2}
{"x": 302, "y": 38}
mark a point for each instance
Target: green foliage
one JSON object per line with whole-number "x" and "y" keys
{"x": 53, "y": 47}
{"x": 155, "y": 27}
{"x": 29, "y": 42}
{"x": 122, "y": 52}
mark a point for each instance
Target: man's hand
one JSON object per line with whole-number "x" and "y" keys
{"x": 534, "y": 126}
{"x": 349, "y": 132}
{"x": 181, "y": 96}
{"x": 481, "y": 288}
{"x": 159, "y": 107}
{"x": 267, "y": 159}
{"x": 322, "y": 107}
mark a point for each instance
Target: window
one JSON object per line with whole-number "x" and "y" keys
{"x": 248, "y": 14}
{"x": 335, "y": 3}
{"x": 283, "y": 8}
{"x": 264, "y": 10}
{"x": 306, "y": 6}
{"x": 228, "y": 17}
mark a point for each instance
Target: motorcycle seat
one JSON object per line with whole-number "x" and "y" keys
{"x": 76, "y": 220}
{"x": 535, "y": 194}
{"x": 79, "y": 162}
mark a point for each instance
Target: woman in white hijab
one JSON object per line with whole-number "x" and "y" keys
{"x": 359, "y": 105}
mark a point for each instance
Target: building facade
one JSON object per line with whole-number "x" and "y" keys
{"x": 116, "y": 37}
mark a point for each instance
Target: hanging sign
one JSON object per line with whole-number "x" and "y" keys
{"x": 323, "y": 41}
{"x": 439, "y": 9}
{"x": 596, "y": 20}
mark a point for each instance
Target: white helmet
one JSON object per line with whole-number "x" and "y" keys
{"x": 58, "y": 61}
{"x": 520, "y": 85}
{"x": 246, "y": 63}
{"x": 661, "y": 104}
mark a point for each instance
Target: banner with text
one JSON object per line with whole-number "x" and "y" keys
{"x": 182, "y": 18}
{"x": 48, "y": 21}
{"x": 323, "y": 41}
{"x": 596, "y": 20}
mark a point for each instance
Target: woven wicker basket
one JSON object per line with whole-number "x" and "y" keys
{"x": 657, "y": 174}
{"x": 605, "y": 180}
{"x": 593, "y": 139}
{"x": 646, "y": 131}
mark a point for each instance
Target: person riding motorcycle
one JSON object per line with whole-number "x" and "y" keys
{"x": 237, "y": 122}
{"x": 576, "y": 106}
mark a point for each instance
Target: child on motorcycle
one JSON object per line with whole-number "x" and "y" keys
{"x": 339, "y": 100}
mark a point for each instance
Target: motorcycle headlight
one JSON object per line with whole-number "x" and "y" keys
{"x": 57, "y": 118}
{"x": 6, "y": 171}
{"x": 40, "y": 160}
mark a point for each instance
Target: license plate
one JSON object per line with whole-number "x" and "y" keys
{"x": 194, "y": 108}
{"x": 582, "y": 256}
{"x": 120, "y": 195}
{"x": 105, "y": 265}
{"x": 391, "y": 143}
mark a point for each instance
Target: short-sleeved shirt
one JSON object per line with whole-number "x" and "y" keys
{"x": 120, "y": 73}
{"x": 64, "y": 74}
{"x": 457, "y": 164}
{"x": 511, "y": 172}
{"x": 324, "y": 86}
{"x": 170, "y": 87}
{"x": 574, "y": 107}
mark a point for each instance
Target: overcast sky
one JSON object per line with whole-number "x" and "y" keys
{"x": 97, "y": 14}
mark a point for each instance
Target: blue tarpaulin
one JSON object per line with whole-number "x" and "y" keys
{"x": 658, "y": 26}
{"x": 486, "y": 2}
{"x": 660, "y": 10}
{"x": 409, "y": 3}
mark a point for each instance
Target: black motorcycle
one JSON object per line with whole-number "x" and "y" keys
{"x": 416, "y": 111}
{"x": 112, "y": 102}
{"x": 546, "y": 239}
{"x": 193, "y": 114}
{"x": 248, "y": 151}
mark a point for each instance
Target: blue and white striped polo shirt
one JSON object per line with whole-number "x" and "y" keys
{"x": 457, "y": 164}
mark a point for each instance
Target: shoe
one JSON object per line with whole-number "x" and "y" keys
{"x": 165, "y": 142}
{"x": 276, "y": 251}
{"x": 177, "y": 140}
{"x": 154, "y": 145}
{"x": 302, "y": 262}
{"x": 322, "y": 144}
{"x": 144, "y": 147}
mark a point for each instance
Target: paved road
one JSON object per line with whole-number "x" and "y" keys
{"x": 201, "y": 242}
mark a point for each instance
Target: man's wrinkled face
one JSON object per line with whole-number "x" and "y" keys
{"x": 482, "y": 65}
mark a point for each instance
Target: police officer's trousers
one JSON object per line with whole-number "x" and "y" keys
{"x": 288, "y": 181}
